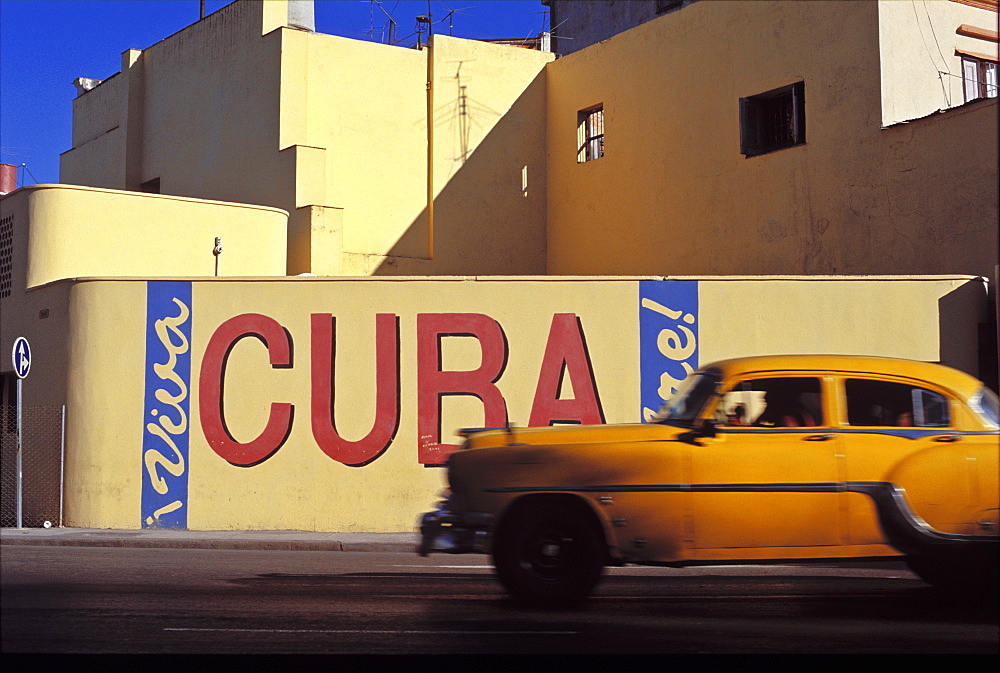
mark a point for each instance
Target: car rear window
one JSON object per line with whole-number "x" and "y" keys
{"x": 889, "y": 403}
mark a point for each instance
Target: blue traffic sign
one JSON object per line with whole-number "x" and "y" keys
{"x": 22, "y": 357}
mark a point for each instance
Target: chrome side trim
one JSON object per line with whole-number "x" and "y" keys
{"x": 903, "y": 527}
{"x": 904, "y": 432}
{"x": 819, "y": 487}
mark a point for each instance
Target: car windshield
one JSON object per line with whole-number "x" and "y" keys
{"x": 692, "y": 395}
{"x": 986, "y": 404}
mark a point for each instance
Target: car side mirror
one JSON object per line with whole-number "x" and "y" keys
{"x": 706, "y": 429}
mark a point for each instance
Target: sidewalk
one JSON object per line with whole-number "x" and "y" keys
{"x": 288, "y": 540}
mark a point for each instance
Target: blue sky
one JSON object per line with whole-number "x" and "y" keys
{"x": 46, "y": 44}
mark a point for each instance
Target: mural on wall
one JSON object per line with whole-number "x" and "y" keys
{"x": 667, "y": 346}
{"x": 165, "y": 437}
{"x": 668, "y": 339}
{"x": 566, "y": 357}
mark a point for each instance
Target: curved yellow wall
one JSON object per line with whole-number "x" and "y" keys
{"x": 82, "y": 231}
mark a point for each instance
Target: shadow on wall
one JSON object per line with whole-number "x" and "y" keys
{"x": 490, "y": 216}
{"x": 966, "y": 317}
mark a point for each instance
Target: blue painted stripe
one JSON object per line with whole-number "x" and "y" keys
{"x": 668, "y": 339}
{"x": 166, "y": 405}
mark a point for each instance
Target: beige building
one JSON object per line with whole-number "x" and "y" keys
{"x": 337, "y": 132}
{"x": 839, "y": 162}
{"x": 552, "y": 240}
{"x": 782, "y": 151}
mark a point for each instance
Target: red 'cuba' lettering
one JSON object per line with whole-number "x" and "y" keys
{"x": 211, "y": 385}
{"x": 324, "y": 425}
{"x": 566, "y": 354}
{"x": 433, "y": 384}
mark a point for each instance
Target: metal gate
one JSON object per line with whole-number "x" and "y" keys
{"x": 42, "y": 459}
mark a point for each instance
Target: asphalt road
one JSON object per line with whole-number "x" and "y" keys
{"x": 128, "y": 600}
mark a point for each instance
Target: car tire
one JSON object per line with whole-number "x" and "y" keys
{"x": 549, "y": 554}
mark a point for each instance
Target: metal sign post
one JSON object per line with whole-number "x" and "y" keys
{"x": 21, "y": 356}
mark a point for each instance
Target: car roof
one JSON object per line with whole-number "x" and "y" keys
{"x": 947, "y": 377}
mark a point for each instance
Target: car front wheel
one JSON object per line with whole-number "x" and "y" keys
{"x": 549, "y": 554}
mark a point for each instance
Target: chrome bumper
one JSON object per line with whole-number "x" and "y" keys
{"x": 450, "y": 532}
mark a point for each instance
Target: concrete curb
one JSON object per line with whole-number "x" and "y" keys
{"x": 283, "y": 540}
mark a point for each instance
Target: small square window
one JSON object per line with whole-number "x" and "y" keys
{"x": 773, "y": 120}
{"x": 590, "y": 134}
{"x": 979, "y": 78}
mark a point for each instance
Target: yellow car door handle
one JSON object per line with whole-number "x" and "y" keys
{"x": 820, "y": 438}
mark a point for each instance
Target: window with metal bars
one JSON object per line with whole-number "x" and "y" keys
{"x": 590, "y": 134}
{"x": 773, "y": 120}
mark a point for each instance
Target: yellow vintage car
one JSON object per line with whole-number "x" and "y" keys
{"x": 764, "y": 459}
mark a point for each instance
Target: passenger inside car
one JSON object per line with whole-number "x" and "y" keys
{"x": 786, "y": 402}
{"x": 784, "y": 410}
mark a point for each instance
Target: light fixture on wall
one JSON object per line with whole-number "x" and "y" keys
{"x": 217, "y": 251}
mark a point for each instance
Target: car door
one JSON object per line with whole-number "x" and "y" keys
{"x": 885, "y": 421}
{"x": 767, "y": 479}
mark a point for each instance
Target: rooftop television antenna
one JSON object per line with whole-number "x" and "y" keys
{"x": 450, "y": 17}
{"x": 392, "y": 23}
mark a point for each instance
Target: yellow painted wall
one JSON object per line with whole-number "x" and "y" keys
{"x": 238, "y": 107}
{"x": 66, "y": 231}
{"x": 97, "y": 157}
{"x": 673, "y": 194}
{"x": 100, "y": 373}
{"x": 934, "y": 317}
{"x": 488, "y": 118}
{"x": 104, "y": 398}
{"x": 921, "y": 71}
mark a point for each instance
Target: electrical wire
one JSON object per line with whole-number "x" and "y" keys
{"x": 28, "y": 171}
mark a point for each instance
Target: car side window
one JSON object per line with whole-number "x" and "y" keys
{"x": 887, "y": 403}
{"x": 786, "y": 402}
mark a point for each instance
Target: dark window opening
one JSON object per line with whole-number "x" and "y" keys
{"x": 773, "y": 120}
{"x": 667, "y": 5}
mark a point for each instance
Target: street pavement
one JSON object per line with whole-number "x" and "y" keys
{"x": 286, "y": 540}
{"x": 280, "y": 540}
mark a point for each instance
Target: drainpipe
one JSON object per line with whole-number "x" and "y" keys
{"x": 430, "y": 139}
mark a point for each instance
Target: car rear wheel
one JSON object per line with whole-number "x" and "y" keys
{"x": 549, "y": 554}
{"x": 971, "y": 572}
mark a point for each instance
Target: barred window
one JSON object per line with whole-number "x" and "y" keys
{"x": 590, "y": 134}
{"x": 773, "y": 120}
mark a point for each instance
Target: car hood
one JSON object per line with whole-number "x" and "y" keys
{"x": 574, "y": 434}
{"x": 564, "y": 455}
